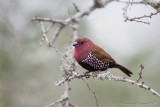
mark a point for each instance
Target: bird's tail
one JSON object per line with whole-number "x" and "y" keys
{"x": 125, "y": 70}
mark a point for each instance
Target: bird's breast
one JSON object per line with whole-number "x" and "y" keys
{"x": 95, "y": 63}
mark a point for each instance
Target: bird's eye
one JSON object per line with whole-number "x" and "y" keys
{"x": 81, "y": 42}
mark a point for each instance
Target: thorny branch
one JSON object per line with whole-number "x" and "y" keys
{"x": 68, "y": 65}
{"x": 56, "y": 34}
{"x": 154, "y": 5}
{"x": 109, "y": 76}
{"x": 140, "y": 73}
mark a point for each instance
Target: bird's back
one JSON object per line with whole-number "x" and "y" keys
{"x": 100, "y": 54}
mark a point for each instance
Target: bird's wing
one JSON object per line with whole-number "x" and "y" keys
{"x": 99, "y": 53}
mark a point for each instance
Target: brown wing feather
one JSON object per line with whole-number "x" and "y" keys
{"x": 99, "y": 53}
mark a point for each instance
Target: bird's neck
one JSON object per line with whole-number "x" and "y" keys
{"x": 81, "y": 52}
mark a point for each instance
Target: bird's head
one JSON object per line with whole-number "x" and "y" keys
{"x": 83, "y": 47}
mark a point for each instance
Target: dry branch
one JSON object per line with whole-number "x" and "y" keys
{"x": 154, "y": 5}
{"x": 109, "y": 76}
{"x": 93, "y": 92}
{"x": 140, "y": 73}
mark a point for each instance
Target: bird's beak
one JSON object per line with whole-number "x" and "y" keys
{"x": 75, "y": 44}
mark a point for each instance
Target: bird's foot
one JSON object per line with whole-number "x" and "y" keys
{"x": 86, "y": 74}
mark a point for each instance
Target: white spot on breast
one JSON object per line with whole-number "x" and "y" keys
{"x": 95, "y": 62}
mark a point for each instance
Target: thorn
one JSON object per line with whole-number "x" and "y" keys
{"x": 141, "y": 86}
{"x": 75, "y": 6}
{"x": 69, "y": 12}
{"x": 34, "y": 18}
{"x": 142, "y": 67}
{"x": 149, "y": 88}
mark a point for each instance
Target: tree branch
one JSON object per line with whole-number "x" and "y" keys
{"x": 155, "y": 5}
{"x": 109, "y": 76}
{"x": 56, "y": 34}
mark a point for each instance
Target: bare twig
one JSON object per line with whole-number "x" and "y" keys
{"x": 76, "y": 16}
{"x": 98, "y": 3}
{"x": 133, "y": 2}
{"x": 76, "y": 7}
{"x": 138, "y": 19}
{"x": 49, "y": 27}
{"x": 44, "y": 32}
{"x": 153, "y": 4}
{"x": 93, "y": 92}
{"x": 36, "y": 18}
{"x": 75, "y": 30}
{"x": 50, "y": 44}
{"x": 67, "y": 89}
{"x": 56, "y": 34}
{"x": 60, "y": 101}
{"x": 140, "y": 73}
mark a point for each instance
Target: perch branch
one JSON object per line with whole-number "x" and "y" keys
{"x": 109, "y": 76}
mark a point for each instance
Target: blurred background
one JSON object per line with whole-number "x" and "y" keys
{"x": 28, "y": 71}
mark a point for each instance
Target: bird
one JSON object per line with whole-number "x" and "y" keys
{"x": 93, "y": 58}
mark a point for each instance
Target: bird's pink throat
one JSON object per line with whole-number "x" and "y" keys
{"x": 81, "y": 52}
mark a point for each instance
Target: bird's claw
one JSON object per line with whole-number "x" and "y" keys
{"x": 86, "y": 74}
